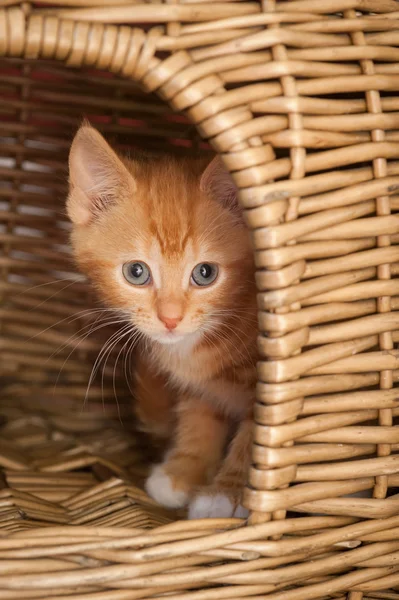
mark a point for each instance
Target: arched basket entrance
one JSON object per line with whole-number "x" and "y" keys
{"x": 301, "y": 100}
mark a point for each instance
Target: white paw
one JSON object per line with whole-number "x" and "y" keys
{"x": 159, "y": 487}
{"x": 215, "y": 506}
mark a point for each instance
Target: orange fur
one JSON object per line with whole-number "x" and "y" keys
{"x": 194, "y": 382}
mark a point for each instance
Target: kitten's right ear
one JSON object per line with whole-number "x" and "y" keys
{"x": 217, "y": 182}
{"x": 97, "y": 176}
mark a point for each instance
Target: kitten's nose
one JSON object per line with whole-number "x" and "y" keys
{"x": 170, "y": 313}
{"x": 169, "y": 322}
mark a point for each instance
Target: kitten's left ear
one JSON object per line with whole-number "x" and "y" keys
{"x": 97, "y": 176}
{"x": 217, "y": 182}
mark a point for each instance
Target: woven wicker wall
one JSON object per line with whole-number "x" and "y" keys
{"x": 301, "y": 99}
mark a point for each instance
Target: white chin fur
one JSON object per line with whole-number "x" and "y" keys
{"x": 182, "y": 341}
{"x": 218, "y": 506}
{"x": 169, "y": 340}
{"x": 159, "y": 487}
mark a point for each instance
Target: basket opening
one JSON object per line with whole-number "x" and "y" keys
{"x": 53, "y": 389}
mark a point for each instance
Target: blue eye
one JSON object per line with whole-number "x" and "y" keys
{"x": 136, "y": 273}
{"x": 204, "y": 274}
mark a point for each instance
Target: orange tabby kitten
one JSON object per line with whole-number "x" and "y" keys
{"x": 163, "y": 240}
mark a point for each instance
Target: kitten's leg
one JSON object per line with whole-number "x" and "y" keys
{"x": 223, "y": 497}
{"x": 195, "y": 456}
{"x": 153, "y": 401}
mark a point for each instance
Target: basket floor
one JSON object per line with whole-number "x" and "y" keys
{"x": 65, "y": 466}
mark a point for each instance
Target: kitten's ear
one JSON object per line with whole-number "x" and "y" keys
{"x": 97, "y": 176}
{"x": 217, "y": 182}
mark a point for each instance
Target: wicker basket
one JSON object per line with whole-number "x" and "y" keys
{"x": 301, "y": 99}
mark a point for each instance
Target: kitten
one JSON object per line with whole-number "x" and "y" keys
{"x": 164, "y": 241}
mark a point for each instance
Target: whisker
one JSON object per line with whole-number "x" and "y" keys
{"x": 72, "y": 318}
{"x": 129, "y": 354}
{"x": 75, "y": 348}
{"x": 123, "y": 334}
{"x": 86, "y": 335}
{"x": 68, "y": 285}
{"x": 130, "y": 331}
{"x": 100, "y": 356}
{"x": 40, "y": 285}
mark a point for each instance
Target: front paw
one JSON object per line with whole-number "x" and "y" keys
{"x": 216, "y": 504}
{"x": 166, "y": 489}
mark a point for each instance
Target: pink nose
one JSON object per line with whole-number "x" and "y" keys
{"x": 170, "y": 323}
